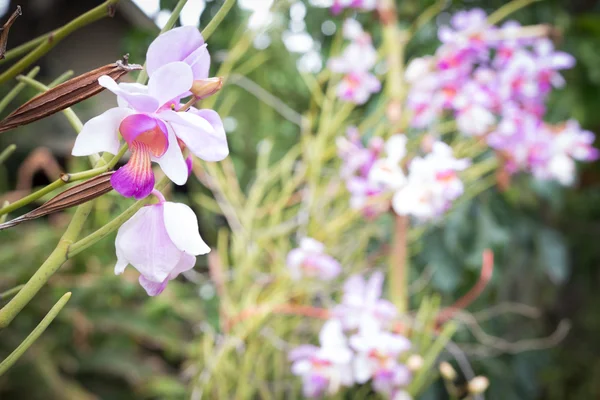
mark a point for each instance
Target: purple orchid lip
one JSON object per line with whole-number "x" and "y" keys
{"x": 135, "y": 179}
{"x": 150, "y": 131}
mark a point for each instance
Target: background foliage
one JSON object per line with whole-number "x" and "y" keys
{"x": 113, "y": 342}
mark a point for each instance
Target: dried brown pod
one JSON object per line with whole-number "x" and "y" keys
{"x": 65, "y": 95}
{"x": 75, "y": 195}
{"x": 4, "y": 30}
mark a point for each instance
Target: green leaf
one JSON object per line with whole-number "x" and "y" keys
{"x": 552, "y": 255}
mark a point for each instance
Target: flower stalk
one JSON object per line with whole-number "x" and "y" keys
{"x": 18, "y": 352}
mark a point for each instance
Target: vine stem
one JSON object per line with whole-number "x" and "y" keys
{"x": 217, "y": 19}
{"x": 394, "y": 41}
{"x": 18, "y": 352}
{"x": 17, "y": 89}
{"x": 55, "y": 37}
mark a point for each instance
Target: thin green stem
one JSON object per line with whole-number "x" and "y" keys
{"x": 426, "y": 16}
{"x": 10, "y": 292}
{"x": 7, "y": 153}
{"x": 55, "y": 37}
{"x": 113, "y": 225}
{"x": 394, "y": 42}
{"x": 64, "y": 179}
{"x": 54, "y": 261}
{"x": 48, "y": 268}
{"x": 507, "y": 10}
{"x": 32, "y": 197}
{"x": 25, "y": 47}
{"x": 61, "y": 78}
{"x": 17, "y": 89}
{"x": 15, "y": 355}
{"x": 143, "y": 76}
{"x": 217, "y": 19}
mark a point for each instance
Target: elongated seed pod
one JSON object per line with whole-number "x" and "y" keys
{"x": 65, "y": 95}
{"x": 75, "y": 195}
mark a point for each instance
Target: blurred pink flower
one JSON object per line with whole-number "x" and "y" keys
{"x": 356, "y": 60}
{"x": 362, "y": 301}
{"x": 160, "y": 241}
{"x": 310, "y": 260}
{"x": 363, "y": 5}
{"x": 357, "y": 162}
{"x": 376, "y": 358}
{"x": 324, "y": 369}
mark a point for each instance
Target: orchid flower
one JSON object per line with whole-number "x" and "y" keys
{"x": 356, "y": 60}
{"x": 362, "y": 301}
{"x": 184, "y": 44}
{"x": 363, "y": 5}
{"x": 310, "y": 260}
{"x": 357, "y": 162}
{"x": 324, "y": 369}
{"x": 147, "y": 119}
{"x": 432, "y": 184}
{"x": 376, "y": 358}
{"x": 160, "y": 241}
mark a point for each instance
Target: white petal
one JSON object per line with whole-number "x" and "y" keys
{"x": 186, "y": 263}
{"x": 122, "y": 262}
{"x": 138, "y": 101}
{"x": 198, "y": 134}
{"x": 362, "y": 369}
{"x": 144, "y": 242}
{"x": 101, "y": 133}
{"x": 182, "y": 226}
{"x": 172, "y": 162}
{"x": 130, "y": 88}
{"x": 170, "y": 81}
{"x": 311, "y": 245}
{"x": 331, "y": 334}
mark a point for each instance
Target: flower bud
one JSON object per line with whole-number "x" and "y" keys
{"x": 478, "y": 385}
{"x": 447, "y": 371}
{"x": 414, "y": 362}
{"x": 203, "y": 88}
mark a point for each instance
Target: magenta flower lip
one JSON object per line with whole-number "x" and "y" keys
{"x": 145, "y": 129}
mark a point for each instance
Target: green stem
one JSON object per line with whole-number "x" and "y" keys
{"x": 10, "y": 292}
{"x": 66, "y": 178}
{"x": 55, "y": 37}
{"x": 48, "y": 268}
{"x": 32, "y": 197}
{"x": 217, "y": 19}
{"x": 54, "y": 261}
{"x": 508, "y": 9}
{"x": 394, "y": 41}
{"x": 17, "y": 89}
{"x": 25, "y": 47}
{"x": 7, "y": 153}
{"x": 113, "y": 225}
{"x": 15, "y": 355}
{"x": 143, "y": 76}
{"x": 433, "y": 352}
{"x": 61, "y": 78}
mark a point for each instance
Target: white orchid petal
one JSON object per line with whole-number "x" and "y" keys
{"x": 182, "y": 226}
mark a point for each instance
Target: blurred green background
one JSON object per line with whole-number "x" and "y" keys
{"x": 112, "y": 342}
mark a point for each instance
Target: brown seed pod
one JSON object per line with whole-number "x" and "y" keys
{"x": 75, "y": 195}
{"x": 65, "y": 95}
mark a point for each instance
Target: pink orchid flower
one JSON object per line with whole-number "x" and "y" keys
{"x": 310, "y": 260}
{"x": 147, "y": 119}
{"x": 160, "y": 241}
